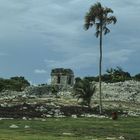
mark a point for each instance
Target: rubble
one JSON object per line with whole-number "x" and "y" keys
{"x": 28, "y": 103}
{"x": 128, "y": 91}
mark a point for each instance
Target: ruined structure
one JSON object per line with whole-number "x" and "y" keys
{"x": 64, "y": 78}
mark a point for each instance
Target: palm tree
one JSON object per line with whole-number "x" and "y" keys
{"x": 83, "y": 89}
{"x": 98, "y": 17}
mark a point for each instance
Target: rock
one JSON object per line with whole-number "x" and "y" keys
{"x": 24, "y": 118}
{"x": 74, "y": 116}
{"x": 4, "y": 104}
{"x": 93, "y": 115}
{"x": 41, "y": 109}
{"x": 121, "y": 138}
{"x": 13, "y": 126}
{"x": 24, "y": 108}
{"x": 6, "y": 118}
{"x": 43, "y": 120}
{"x": 67, "y": 134}
{"x": 110, "y": 138}
{"x": 26, "y": 126}
{"x": 49, "y": 116}
{"x": 60, "y": 116}
{"x": 133, "y": 114}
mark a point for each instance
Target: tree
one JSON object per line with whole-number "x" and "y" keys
{"x": 98, "y": 17}
{"x": 83, "y": 89}
{"x": 137, "y": 77}
{"x": 92, "y": 78}
{"x": 14, "y": 83}
{"x": 118, "y": 74}
{"x": 19, "y": 83}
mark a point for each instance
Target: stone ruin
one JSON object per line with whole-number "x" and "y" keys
{"x": 63, "y": 78}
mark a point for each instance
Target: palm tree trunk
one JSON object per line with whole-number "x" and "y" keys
{"x": 100, "y": 72}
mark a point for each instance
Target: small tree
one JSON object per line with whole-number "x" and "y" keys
{"x": 84, "y": 90}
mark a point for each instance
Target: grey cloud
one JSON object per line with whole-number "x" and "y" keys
{"x": 3, "y": 54}
{"x": 40, "y": 71}
{"x": 83, "y": 60}
{"x": 118, "y": 56}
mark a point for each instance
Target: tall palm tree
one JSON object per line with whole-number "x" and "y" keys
{"x": 99, "y": 17}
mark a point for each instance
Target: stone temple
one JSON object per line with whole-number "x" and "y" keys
{"x": 64, "y": 78}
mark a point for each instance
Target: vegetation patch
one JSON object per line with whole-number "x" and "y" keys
{"x": 71, "y": 129}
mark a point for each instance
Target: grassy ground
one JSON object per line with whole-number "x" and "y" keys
{"x": 71, "y": 129}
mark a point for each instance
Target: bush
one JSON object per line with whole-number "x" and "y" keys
{"x": 137, "y": 77}
{"x": 14, "y": 83}
{"x": 83, "y": 89}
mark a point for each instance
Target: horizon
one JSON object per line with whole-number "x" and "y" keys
{"x": 49, "y": 82}
{"x": 39, "y": 36}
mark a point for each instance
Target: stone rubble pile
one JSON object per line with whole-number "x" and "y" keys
{"x": 18, "y": 104}
{"x": 128, "y": 91}
{"x": 120, "y": 91}
{"x": 29, "y": 93}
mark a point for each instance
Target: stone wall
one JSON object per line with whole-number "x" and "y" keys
{"x": 64, "y": 78}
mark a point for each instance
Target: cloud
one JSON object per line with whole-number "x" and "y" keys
{"x": 119, "y": 56}
{"x": 80, "y": 61}
{"x": 3, "y": 54}
{"x": 40, "y": 71}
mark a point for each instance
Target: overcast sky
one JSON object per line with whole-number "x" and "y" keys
{"x": 38, "y": 35}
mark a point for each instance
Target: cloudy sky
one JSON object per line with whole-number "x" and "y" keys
{"x": 38, "y": 35}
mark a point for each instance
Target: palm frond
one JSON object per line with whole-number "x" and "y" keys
{"x": 95, "y": 8}
{"x": 87, "y": 21}
{"x": 111, "y": 19}
{"x": 98, "y": 17}
{"x": 86, "y": 26}
{"x": 105, "y": 30}
{"x": 108, "y": 10}
{"x": 98, "y": 26}
{"x": 97, "y": 33}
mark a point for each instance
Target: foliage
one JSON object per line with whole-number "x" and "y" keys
{"x": 118, "y": 74}
{"x": 14, "y": 83}
{"x": 137, "y": 77}
{"x": 114, "y": 75}
{"x": 83, "y": 89}
{"x": 92, "y": 78}
{"x": 99, "y": 17}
